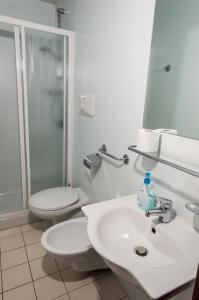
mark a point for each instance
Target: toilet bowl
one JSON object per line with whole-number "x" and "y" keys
{"x": 69, "y": 241}
{"x": 55, "y": 202}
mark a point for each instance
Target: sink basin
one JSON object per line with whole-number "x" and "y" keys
{"x": 122, "y": 229}
{"x": 117, "y": 228}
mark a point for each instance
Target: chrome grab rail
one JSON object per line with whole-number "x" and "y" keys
{"x": 124, "y": 159}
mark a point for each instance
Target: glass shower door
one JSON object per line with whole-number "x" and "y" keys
{"x": 45, "y": 64}
{"x": 11, "y": 195}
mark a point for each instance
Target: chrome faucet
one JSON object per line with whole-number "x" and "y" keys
{"x": 164, "y": 211}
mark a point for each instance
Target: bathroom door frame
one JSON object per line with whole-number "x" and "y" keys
{"x": 22, "y": 93}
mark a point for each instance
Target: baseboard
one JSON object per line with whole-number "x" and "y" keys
{"x": 17, "y": 218}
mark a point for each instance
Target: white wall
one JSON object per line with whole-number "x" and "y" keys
{"x": 112, "y": 52}
{"x": 30, "y": 10}
{"x": 112, "y": 57}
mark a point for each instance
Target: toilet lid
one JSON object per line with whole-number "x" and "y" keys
{"x": 54, "y": 199}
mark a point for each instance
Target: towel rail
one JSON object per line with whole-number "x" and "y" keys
{"x": 156, "y": 157}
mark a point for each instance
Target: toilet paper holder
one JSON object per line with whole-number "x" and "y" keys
{"x": 92, "y": 161}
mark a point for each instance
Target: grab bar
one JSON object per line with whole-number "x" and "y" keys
{"x": 103, "y": 150}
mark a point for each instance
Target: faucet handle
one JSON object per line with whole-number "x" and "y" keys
{"x": 165, "y": 204}
{"x": 193, "y": 207}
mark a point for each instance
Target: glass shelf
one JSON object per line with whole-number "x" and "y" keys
{"x": 167, "y": 161}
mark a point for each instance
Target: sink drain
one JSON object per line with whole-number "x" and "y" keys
{"x": 141, "y": 251}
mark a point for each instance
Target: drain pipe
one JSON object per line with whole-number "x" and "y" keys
{"x": 61, "y": 11}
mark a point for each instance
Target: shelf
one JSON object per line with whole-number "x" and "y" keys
{"x": 158, "y": 158}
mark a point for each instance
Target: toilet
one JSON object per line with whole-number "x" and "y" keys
{"x": 55, "y": 202}
{"x": 69, "y": 241}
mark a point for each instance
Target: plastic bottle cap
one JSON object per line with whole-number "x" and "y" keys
{"x": 147, "y": 180}
{"x": 148, "y": 174}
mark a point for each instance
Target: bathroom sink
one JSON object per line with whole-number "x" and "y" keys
{"x": 169, "y": 253}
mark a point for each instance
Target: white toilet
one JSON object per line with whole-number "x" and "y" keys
{"x": 69, "y": 241}
{"x": 55, "y": 202}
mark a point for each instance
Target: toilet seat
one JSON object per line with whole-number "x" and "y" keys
{"x": 53, "y": 199}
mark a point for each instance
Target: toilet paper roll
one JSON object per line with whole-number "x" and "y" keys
{"x": 148, "y": 140}
{"x": 165, "y": 130}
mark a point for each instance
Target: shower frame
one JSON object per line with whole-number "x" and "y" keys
{"x": 22, "y": 95}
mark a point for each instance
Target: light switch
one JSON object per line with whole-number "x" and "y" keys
{"x": 87, "y": 105}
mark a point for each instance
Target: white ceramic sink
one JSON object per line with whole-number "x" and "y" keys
{"x": 116, "y": 227}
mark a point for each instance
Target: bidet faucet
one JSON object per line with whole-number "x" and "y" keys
{"x": 164, "y": 211}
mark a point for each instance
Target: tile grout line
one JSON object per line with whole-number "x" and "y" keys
{"x": 20, "y": 230}
{"x": 61, "y": 296}
{"x": 21, "y": 246}
{"x": 101, "y": 277}
{"x": 23, "y": 263}
{"x": 31, "y": 282}
{"x": 61, "y": 277}
{"x": 93, "y": 280}
{"x": 98, "y": 289}
{"x": 1, "y": 276}
{"x": 45, "y": 276}
{"x": 29, "y": 264}
{"x": 13, "y": 234}
{"x": 41, "y": 257}
{"x": 16, "y": 287}
{"x": 21, "y": 233}
{"x": 75, "y": 289}
{"x": 84, "y": 285}
{"x": 24, "y": 246}
{"x": 15, "y": 266}
{"x": 12, "y": 249}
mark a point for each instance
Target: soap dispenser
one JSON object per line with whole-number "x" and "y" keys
{"x": 142, "y": 195}
{"x": 146, "y": 195}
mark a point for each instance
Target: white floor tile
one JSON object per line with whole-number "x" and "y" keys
{"x": 13, "y": 258}
{"x": 110, "y": 288}
{"x": 35, "y": 251}
{"x": 65, "y": 297}
{"x": 88, "y": 292}
{"x": 11, "y": 242}
{"x": 9, "y": 232}
{"x": 74, "y": 280}
{"x": 16, "y": 276}
{"x": 99, "y": 274}
{"x": 0, "y": 283}
{"x": 32, "y": 236}
{"x": 25, "y": 292}
{"x": 62, "y": 264}
{"x": 42, "y": 267}
{"x": 32, "y": 226}
{"x": 48, "y": 288}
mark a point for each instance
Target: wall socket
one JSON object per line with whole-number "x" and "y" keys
{"x": 87, "y": 105}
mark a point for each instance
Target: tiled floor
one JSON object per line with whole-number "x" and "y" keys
{"x": 27, "y": 272}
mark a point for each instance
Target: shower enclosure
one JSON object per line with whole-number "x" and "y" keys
{"x": 36, "y": 64}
